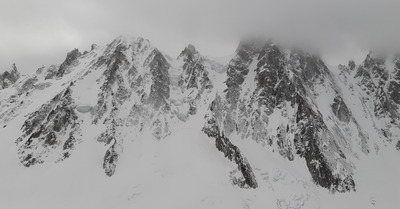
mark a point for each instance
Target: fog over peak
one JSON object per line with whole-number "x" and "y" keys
{"x": 41, "y": 32}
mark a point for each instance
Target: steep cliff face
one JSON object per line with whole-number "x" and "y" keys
{"x": 377, "y": 86}
{"x": 224, "y": 145}
{"x": 273, "y": 96}
{"x": 70, "y": 60}
{"x": 50, "y": 132}
{"x": 195, "y": 79}
{"x": 373, "y": 76}
{"x": 9, "y": 77}
{"x": 394, "y": 85}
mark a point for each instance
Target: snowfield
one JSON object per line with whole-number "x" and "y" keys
{"x": 184, "y": 171}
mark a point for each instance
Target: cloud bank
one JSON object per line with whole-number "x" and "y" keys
{"x": 41, "y": 32}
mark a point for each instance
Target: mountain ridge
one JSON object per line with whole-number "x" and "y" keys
{"x": 284, "y": 100}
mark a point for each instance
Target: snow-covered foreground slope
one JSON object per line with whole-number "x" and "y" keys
{"x": 184, "y": 171}
{"x": 126, "y": 126}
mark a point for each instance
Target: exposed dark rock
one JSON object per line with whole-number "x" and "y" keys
{"x": 223, "y": 144}
{"x": 114, "y": 62}
{"x": 108, "y": 135}
{"x": 340, "y": 109}
{"x": 273, "y": 85}
{"x": 51, "y": 72}
{"x": 28, "y": 84}
{"x": 284, "y": 142}
{"x": 373, "y": 60}
{"x": 365, "y": 78}
{"x": 9, "y": 77}
{"x": 71, "y": 58}
{"x": 40, "y": 70}
{"x": 381, "y": 104}
{"x": 309, "y": 68}
{"x": 211, "y": 128}
{"x": 50, "y": 139}
{"x": 394, "y": 87}
{"x": 110, "y": 161}
{"x": 111, "y": 156}
{"x": 308, "y": 145}
{"x": 195, "y": 76}
{"x": 188, "y": 53}
{"x": 281, "y": 83}
{"x": 70, "y": 142}
{"x": 352, "y": 65}
{"x": 374, "y": 79}
{"x": 93, "y": 47}
{"x": 231, "y": 152}
{"x": 159, "y": 92}
{"x": 30, "y": 160}
{"x": 48, "y": 127}
{"x": 238, "y": 68}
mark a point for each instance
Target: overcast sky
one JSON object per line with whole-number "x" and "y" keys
{"x": 40, "y": 32}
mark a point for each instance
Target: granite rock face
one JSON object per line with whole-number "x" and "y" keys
{"x": 54, "y": 127}
{"x": 340, "y": 109}
{"x": 394, "y": 85}
{"x": 72, "y": 57}
{"x": 374, "y": 77}
{"x": 238, "y": 68}
{"x": 9, "y": 77}
{"x": 159, "y": 92}
{"x": 195, "y": 78}
{"x": 223, "y": 144}
{"x": 378, "y": 77}
{"x": 283, "y": 82}
{"x": 135, "y": 91}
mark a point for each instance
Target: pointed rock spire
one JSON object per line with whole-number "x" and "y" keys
{"x": 71, "y": 57}
{"x": 9, "y": 77}
{"x": 189, "y": 53}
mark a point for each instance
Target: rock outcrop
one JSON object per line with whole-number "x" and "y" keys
{"x": 71, "y": 58}
{"x": 9, "y": 77}
{"x": 281, "y": 90}
{"x": 50, "y": 132}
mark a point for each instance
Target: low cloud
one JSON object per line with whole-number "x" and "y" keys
{"x": 41, "y": 32}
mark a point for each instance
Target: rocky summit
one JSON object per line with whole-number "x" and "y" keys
{"x": 274, "y": 120}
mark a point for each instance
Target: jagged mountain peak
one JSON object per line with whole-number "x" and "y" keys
{"x": 374, "y": 59}
{"x": 189, "y": 54}
{"x": 14, "y": 69}
{"x": 129, "y": 42}
{"x": 71, "y": 58}
{"x": 129, "y": 39}
{"x": 189, "y": 49}
{"x": 9, "y": 77}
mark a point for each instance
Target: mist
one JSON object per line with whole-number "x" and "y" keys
{"x": 36, "y": 33}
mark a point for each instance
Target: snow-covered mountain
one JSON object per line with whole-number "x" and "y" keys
{"x": 273, "y": 128}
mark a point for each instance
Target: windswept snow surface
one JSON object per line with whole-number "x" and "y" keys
{"x": 185, "y": 171}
